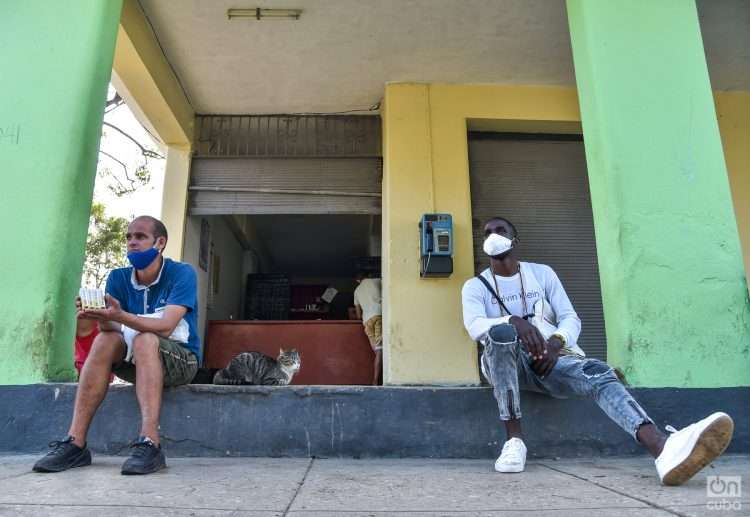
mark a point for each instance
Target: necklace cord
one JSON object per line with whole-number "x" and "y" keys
{"x": 523, "y": 291}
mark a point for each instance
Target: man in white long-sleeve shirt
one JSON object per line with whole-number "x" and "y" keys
{"x": 520, "y": 314}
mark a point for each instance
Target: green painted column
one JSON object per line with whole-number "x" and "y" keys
{"x": 673, "y": 283}
{"x": 55, "y": 65}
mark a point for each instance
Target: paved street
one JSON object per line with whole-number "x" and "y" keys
{"x": 265, "y": 487}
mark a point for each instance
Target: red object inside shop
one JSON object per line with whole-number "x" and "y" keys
{"x": 333, "y": 352}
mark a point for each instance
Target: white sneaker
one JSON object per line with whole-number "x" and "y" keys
{"x": 690, "y": 449}
{"x": 513, "y": 457}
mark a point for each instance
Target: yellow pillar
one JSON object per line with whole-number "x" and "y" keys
{"x": 424, "y": 340}
{"x": 175, "y": 196}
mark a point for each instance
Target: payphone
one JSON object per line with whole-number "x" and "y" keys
{"x": 436, "y": 245}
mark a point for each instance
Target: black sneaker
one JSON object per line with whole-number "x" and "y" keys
{"x": 63, "y": 456}
{"x": 145, "y": 458}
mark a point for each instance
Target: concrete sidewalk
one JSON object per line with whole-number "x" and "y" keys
{"x": 264, "y": 487}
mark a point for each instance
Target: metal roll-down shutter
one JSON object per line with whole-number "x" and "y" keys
{"x": 285, "y": 186}
{"x": 541, "y": 185}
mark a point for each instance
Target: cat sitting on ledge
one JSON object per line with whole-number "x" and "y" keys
{"x": 258, "y": 369}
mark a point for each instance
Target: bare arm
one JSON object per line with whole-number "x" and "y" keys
{"x": 163, "y": 326}
{"x": 111, "y": 318}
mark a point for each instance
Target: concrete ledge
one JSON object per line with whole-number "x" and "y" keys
{"x": 331, "y": 421}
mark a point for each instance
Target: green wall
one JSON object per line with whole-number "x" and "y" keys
{"x": 673, "y": 282}
{"x": 56, "y": 61}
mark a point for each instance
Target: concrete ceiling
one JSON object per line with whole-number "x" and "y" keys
{"x": 341, "y": 53}
{"x": 314, "y": 245}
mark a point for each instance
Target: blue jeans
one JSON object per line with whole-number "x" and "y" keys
{"x": 507, "y": 366}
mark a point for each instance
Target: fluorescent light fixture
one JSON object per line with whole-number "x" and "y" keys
{"x": 259, "y": 13}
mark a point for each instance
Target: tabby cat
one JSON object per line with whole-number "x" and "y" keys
{"x": 260, "y": 369}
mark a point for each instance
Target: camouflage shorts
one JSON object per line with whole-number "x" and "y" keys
{"x": 179, "y": 363}
{"x": 374, "y": 332}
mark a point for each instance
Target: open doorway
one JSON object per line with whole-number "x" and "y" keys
{"x": 283, "y": 209}
{"x": 286, "y": 281}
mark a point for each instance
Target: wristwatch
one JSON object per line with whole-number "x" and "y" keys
{"x": 562, "y": 338}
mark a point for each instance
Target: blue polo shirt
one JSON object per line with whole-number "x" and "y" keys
{"x": 175, "y": 285}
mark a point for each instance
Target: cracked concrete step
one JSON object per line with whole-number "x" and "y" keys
{"x": 351, "y": 421}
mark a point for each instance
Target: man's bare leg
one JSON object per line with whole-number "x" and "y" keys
{"x": 149, "y": 383}
{"x": 377, "y": 368}
{"x": 108, "y": 348}
{"x": 651, "y": 438}
{"x": 513, "y": 428}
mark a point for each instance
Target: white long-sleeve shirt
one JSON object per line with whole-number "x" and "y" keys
{"x": 481, "y": 310}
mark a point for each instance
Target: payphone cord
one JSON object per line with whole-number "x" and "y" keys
{"x": 427, "y": 265}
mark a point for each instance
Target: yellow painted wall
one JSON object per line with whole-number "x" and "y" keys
{"x": 733, "y": 113}
{"x": 426, "y": 169}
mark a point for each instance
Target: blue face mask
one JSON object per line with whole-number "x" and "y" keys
{"x": 143, "y": 259}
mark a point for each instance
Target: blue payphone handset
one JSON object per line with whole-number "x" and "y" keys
{"x": 436, "y": 245}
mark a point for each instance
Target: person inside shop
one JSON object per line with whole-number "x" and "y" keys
{"x": 368, "y": 306}
{"x": 528, "y": 329}
{"x": 147, "y": 335}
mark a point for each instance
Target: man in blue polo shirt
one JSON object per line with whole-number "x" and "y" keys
{"x": 148, "y": 335}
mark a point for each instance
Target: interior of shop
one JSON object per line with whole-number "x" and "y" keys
{"x": 273, "y": 281}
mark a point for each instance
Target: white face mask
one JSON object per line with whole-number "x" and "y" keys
{"x": 497, "y": 245}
